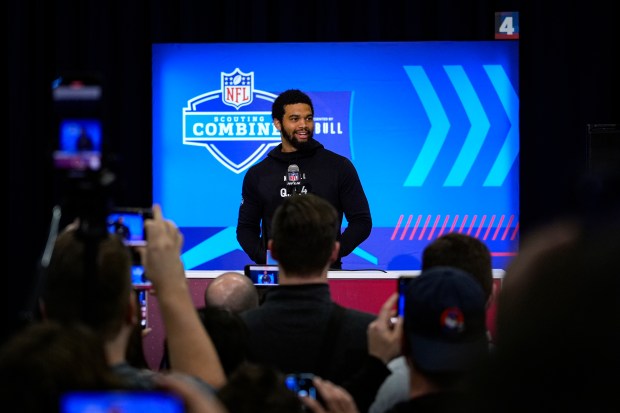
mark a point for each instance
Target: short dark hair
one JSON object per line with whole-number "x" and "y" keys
{"x": 289, "y": 97}
{"x": 256, "y": 387}
{"x": 229, "y": 334}
{"x": 46, "y": 359}
{"x": 464, "y": 252}
{"x": 304, "y": 230}
{"x": 99, "y": 297}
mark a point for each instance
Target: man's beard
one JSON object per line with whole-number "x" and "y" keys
{"x": 294, "y": 142}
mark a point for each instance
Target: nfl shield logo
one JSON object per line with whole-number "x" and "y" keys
{"x": 293, "y": 176}
{"x": 237, "y": 88}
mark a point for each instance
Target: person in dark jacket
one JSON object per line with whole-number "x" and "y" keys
{"x": 300, "y": 165}
{"x": 291, "y": 329}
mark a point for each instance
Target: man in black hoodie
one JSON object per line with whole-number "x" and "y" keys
{"x": 300, "y": 165}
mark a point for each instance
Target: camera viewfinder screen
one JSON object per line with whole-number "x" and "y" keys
{"x": 79, "y": 146}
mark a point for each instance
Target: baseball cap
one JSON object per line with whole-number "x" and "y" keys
{"x": 445, "y": 320}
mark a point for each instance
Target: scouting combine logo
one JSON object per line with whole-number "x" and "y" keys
{"x": 235, "y": 125}
{"x": 236, "y": 137}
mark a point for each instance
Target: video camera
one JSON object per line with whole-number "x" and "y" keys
{"x": 84, "y": 182}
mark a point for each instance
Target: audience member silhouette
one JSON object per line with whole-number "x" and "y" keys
{"x": 290, "y": 329}
{"x": 444, "y": 339}
{"x": 258, "y": 388}
{"x": 45, "y": 360}
{"x": 454, "y": 249}
{"x": 229, "y": 335}
{"x": 557, "y": 337}
{"x": 232, "y": 291}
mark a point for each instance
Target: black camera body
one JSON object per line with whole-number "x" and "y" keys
{"x": 83, "y": 186}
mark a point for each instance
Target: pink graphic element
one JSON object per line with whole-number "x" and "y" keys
{"x": 463, "y": 224}
{"x": 443, "y": 226}
{"x": 415, "y": 228}
{"x": 503, "y": 254}
{"x": 402, "y": 237}
{"x": 456, "y": 218}
{"x": 507, "y": 227}
{"x": 471, "y": 226}
{"x": 484, "y": 218}
{"x": 430, "y": 235}
{"x": 438, "y": 230}
{"x": 499, "y": 226}
{"x": 428, "y": 219}
{"x": 514, "y": 233}
{"x": 486, "y": 234}
{"x": 400, "y": 219}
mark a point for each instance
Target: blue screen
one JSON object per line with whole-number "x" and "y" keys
{"x": 432, "y": 128}
{"x": 119, "y": 401}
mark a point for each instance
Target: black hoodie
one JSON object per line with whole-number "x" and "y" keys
{"x": 323, "y": 173}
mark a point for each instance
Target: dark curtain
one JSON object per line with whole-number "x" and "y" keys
{"x": 569, "y": 78}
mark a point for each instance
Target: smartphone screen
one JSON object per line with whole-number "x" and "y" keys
{"x": 403, "y": 282}
{"x": 139, "y": 280}
{"x": 262, "y": 274}
{"x": 79, "y": 144}
{"x": 121, "y": 401}
{"x": 301, "y": 383}
{"x": 129, "y": 224}
{"x": 143, "y": 307}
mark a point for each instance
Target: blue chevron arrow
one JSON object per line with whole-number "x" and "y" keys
{"x": 439, "y": 126}
{"x": 510, "y": 102}
{"x": 479, "y": 126}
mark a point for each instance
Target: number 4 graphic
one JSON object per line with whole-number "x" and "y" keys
{"x": 507, "y": 25}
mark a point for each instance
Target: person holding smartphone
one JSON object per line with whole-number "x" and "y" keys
{"x": 88, "y": 280}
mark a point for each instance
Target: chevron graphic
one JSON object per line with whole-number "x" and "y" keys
{"x": 440, "y": 125}
{"x": 510, "y": 102}
{"x": 478, "y": 118}
{"x": 479, "y": 125}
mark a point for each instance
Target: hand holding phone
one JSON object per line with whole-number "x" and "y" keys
{"x": 129, "y": 224}
{"x": 302, "y": 384}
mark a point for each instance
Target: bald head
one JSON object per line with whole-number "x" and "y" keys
{"x": 233, "y": 291}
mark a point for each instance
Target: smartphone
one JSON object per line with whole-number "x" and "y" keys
{"x": 403, "y": 283}
{"x": 139, "y": 280}
{"x": 142, "y": 295}
{"x": 261, "y": 274}
{"x": 301, "y": 383}
{"x": 152, "y": 401}
{"x": 129, "y": 224}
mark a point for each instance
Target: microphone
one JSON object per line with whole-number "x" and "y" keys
{"x": 292, "y": 179}
{"x": 293, "y": 173}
